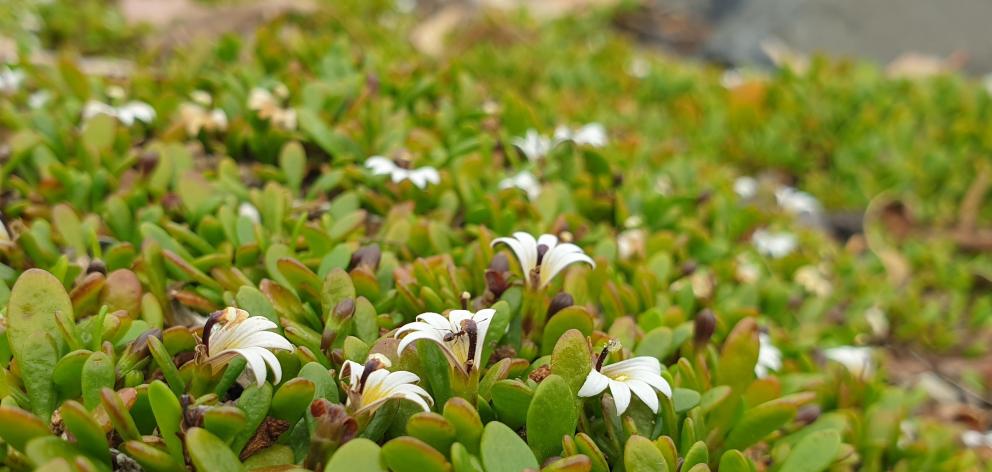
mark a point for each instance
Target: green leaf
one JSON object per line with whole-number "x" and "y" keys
{"x": 255, "y": 402}
{"x": 408, "y": 454}
{"x": 207, "y": 452}
{"x": 571, "y": 359}
{"x": 17, "y": 427}
{"x": 641, "y": 455}
{"x": 697, "y": 454}
{"x": 735, "y": 461}
{"x": 739, "y": 356}
{"x": 357, "y": 455}
{"x": 758, "y": 422}
{"x": 89, "y": 436}
{"x": 292, "y": 399}
{"x": 293, "y": 162}
{"x": 34, "y": 336}
{"x": 466, "y": 421}
{"x": 573, "y": 317}
{"x": 685, "y": 399}
{"x": 432, "y": 429}
{"x": 503, "y": 451}
{"x": 337, "y": 286}
{"x": 98, "y": 373}
{"x": 813, "y": 453}
{"x": 511, "y": 400}
{"x": 552, "y": 414}
{"x": 151, "y": 458}
{"x": 224, "y": 421}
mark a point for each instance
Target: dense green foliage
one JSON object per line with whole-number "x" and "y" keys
{"x": 250, "y": 187}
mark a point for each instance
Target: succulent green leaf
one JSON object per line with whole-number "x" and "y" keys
{"x": 503, "y": 451}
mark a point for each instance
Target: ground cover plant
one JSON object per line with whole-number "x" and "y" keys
{"x": 318, "y": 247}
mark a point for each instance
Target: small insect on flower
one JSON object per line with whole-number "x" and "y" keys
{"x": 769, "y": 357}
{"x": 640, "y": 375}
{"x": 371, "y": 385}
{"x": 240, "y": 334}
{"x": 399, "y": 172}
{"x": 543, "y": 258}
{"x": 460, "y": 335}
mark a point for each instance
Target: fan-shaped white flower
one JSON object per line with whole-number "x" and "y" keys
{"x": 592, "y": 134}
{"x": 127, "y": 114}
{"x": 638, "y": 375}
{"x": 460, "y": 335}
{"x": 534, "y": 145}
{"x": 371, "y": 385}
{"x": 420, "y": 177}
{"x": 524, "y": 181}
{"x": 240, "y": 334}
{"x": 774, "y": 244}
{"x": 542, "y": 259}
{"x": 769, "y": 357}
{"x": 858, "y": 360}
{"x": 10, "y": 79}
{"x": 269, "y": 107}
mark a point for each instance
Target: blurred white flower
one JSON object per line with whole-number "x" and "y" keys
{"x": 663, "y": 185}
{"x": 774, "y": 244}
{"x": 420, "y": 177}
{"x": 878, "y": 321}
{"x": 543, "y": 258}
{"x": 858, "y": 360}
{"x": 371, "y": 385}
{"x": 732, "y": 78}
{"x": 746, "y": 187}
{"x": 976, "y": 439}
{"x": 197, "y": 117}
{"x": 797, "y": 202}
{"x": 127, "y": 114}
{"x": 533, "y": 145}
{"x": 240, "y": 334}
{"x": 524, "y": 181}
{"x": 460, "y": 335}
{"x": 747, "y": 271}
{"x": 10, "y": 79}
{"x": 638, "y": 375}
{"x": 249, "y": 211}
{"x": 593, "y": 134}
{"x": 39, "y": 99}
{"x": 269, "y": 107}
{"x": 769, "y": 357}
{"x": 638, "y": 67}
{"x": 814, "y": 280}
{"x": 631, "y": 243}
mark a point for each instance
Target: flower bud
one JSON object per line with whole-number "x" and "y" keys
{"x": 560, "y": 301}
{"x": 704, "y": 327}
{"x": 368, "y": 256}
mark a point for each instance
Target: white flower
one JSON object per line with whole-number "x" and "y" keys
{"x": 460, "y": 335}
{"x": 747, "y": 271}
{"x": 640, "y": 375}
{"x": 797, "y": 202}
{"x": 542, "y": 259}
{"x": 10, "y": 79}
{"x": 976, "y": 439}
{"x": 814, "y": 280}
{"x": 731, "y": 79}
{"x": 241, "y": 334}
{"x": 746, "y": 187}
{"x": 878, "y": 321}
{"x": 593, "y": 134}
{"x": 268, "y": 107}
{"x": 534, "y": 145}
{"x": 371, "y": 385}
{"x": 127, "y": 114}
{"x": 775, "y": 245}
{"x": 769, "y": 356}
{"x": 420, "y": 177}
{"x": 631, "y": 243}
{"x": 858, "y": 360}
{"x": 249, "y": 211}
{"x": 199, "y": 116}
{"x": 39, "y": 99}
{"x": 524, "y": 181}
{"x": 638, "y": 67}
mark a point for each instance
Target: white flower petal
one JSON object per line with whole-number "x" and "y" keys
{"x": 255, "y": 364}
{"x": 435, "y": 320}
{"x": 621, "y": 395}
{"x": 410, "y": 338}
{"x": 645, "y": 393}
{"x": 594, "y": 384}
